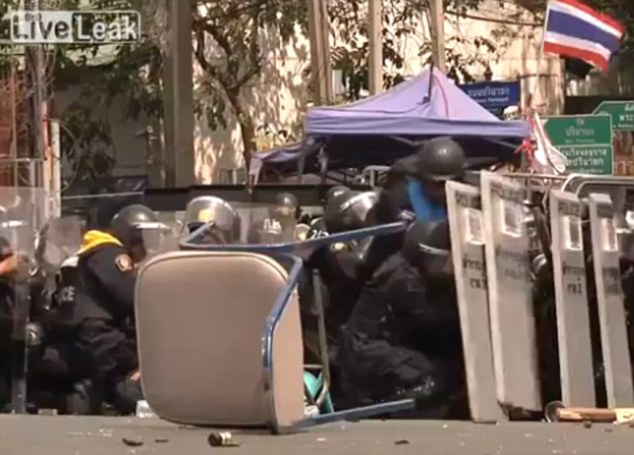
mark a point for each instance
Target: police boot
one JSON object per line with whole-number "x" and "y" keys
{"x": 426, "y": 389}
{"x": 84, "y": 399}
{"x": 127, "y": 392}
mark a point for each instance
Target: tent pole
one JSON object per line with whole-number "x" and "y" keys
{"x": 431, "y": 81}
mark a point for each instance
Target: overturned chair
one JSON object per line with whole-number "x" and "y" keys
{"x": 220, "y": 338}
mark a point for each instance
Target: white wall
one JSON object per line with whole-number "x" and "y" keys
{"x": 128, "y": 150}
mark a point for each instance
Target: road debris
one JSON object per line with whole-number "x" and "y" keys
{"x": 222, "y": 439}
{"x": 132, "y": 442}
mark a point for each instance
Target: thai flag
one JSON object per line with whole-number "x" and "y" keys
{"x": 575, "y": 30}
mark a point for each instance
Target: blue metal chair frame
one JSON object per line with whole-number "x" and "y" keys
{"x": 295, "y": 253}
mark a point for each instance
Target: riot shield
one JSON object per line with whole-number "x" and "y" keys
{"x": 467, "y": 244}
{"x": 610, "y": 301}
{"x": 571, "y": 300}
{"x": 302, "y": 232}
{"x": 262, "y": 224}
{"x": 20, "y": 219}
{"x": 59, "y": 239}
{"x": 173, "y": 220}
{"x": 513, "y": 326}
{"x": 158, "y": 238}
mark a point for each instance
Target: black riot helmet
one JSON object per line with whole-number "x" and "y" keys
{"x": 440, "y": 159}
{"x": 427, "y": 246}
{"x": 225, "y": 222}
{"x": 286, "y": 205}
{"x": 348, "y": 211}
{"x": 132, "y": 226}
{"x": 336, "y": 191}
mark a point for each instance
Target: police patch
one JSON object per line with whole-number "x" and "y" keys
{"x": 124, "y": 263}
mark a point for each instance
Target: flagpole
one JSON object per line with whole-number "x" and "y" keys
{"x": 564, "y": 85}
{"x": 431, "y": 81}
{"x": 541, "y": 56}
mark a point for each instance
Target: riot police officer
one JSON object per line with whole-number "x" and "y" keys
{"x": 96, "y": 302}
{"x": 420, "y": 185}
{"x": 415, "y": 187}
{"x": 225, "y": 224}
{"x": 279, "y": 226}
{"x": 403, "y": 338}
{"x": 338, "y": 264}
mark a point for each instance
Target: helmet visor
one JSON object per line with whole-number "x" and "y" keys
{"x": 153, "y": 236}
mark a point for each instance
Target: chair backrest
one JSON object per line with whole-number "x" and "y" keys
{"x": 201, "y": 323}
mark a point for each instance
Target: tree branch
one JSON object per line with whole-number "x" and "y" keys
{"x": 199, "y": 53}
{"x": 254, "y": 54}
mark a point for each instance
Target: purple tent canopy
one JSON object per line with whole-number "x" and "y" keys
{"x": 412, "y": 109}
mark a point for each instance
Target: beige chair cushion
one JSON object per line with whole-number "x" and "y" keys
{"x": 201, "y": 318}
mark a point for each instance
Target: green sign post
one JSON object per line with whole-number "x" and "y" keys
{"x": 586, "y": 140}
{"x": 622, "y": 113}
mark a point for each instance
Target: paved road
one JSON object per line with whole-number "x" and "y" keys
{"x": 41, "y": 435}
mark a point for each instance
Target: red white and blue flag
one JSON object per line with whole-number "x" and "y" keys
{"x": 575, "y": 30}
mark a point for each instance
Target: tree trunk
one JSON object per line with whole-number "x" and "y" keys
{"x": 247, "y": 128}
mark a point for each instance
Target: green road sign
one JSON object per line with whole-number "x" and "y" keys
{"x": 586, "y": 140}
{"x": 622, "y": 113}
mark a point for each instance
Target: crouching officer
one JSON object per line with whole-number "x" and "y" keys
{"x": 403, "y": 338}
{"x": 96, "y": 301}
{"x": 415, "y": 187}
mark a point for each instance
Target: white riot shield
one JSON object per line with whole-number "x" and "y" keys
{"x": 467, "y": 244}
{"x": 610, "y": 301}
{"x": 571, "y": 299}
{"x": 21, "y": 213}
{"x": 510, "y": 293}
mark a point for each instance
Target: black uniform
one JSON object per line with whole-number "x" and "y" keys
{"x": 96, "y": 304}
{"x": 403, "y": 338}
{"x": 6, "y": 323}
{"x": 96, "y": 298}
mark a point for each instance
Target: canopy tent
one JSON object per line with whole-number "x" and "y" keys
{"x": 388, "y": 126}
{"x": 426, "y": 105}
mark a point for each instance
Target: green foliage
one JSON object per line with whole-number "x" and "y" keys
{"x": 227, "y": 37}
{"x": 401, "y": 18}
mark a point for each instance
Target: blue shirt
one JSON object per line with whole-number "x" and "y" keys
{"x": 425, "y": 209}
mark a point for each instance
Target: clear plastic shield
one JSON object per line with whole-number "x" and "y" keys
{"x": 262, "y": 224}
{"x": 302, "y": 232}
{"x": 158, "y": 238}
{"x": 173, "y": 220}
{"x": 59, "y": 239}
{"x": 610, "y": 301}
{"x": 21, "y": 215}
{"x": 467, "y": 243}
{"x": 508, "y": 263}
{"x": 571, "y": 299}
